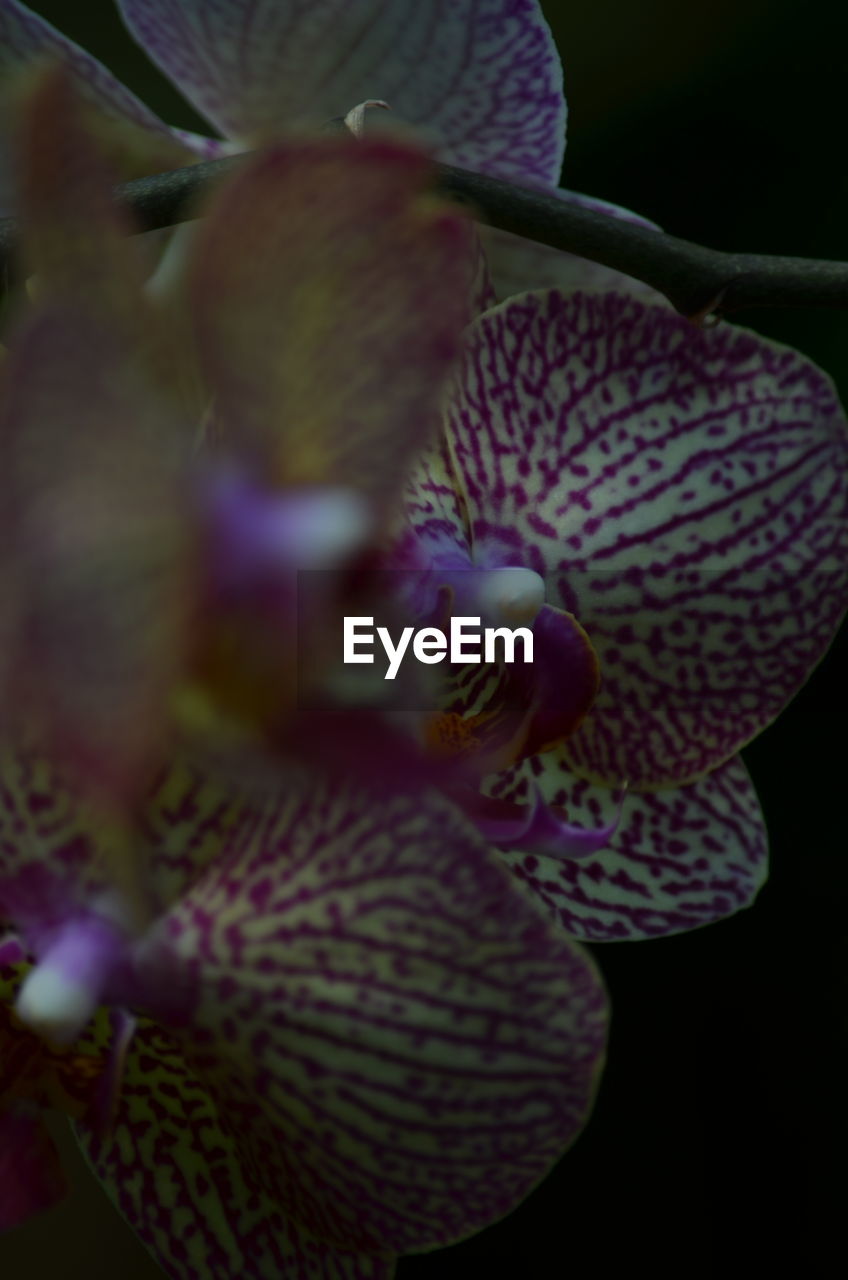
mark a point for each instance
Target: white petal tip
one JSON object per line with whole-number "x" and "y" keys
{"x": 55, "y": 1007}
{"x": 512, "y": 596}
{"x": 334, "y": 524}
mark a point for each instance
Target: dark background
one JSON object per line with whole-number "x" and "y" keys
{"x": 717, "y": 1145}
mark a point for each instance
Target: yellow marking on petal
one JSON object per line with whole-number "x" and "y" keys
{"x": 476, "y": 738}
{"x": 450, "y": 734}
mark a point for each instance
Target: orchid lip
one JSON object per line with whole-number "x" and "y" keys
{"x": 60, "y": 994}
{"x": 511, "y": 595}
{"x": 508, "y": 595}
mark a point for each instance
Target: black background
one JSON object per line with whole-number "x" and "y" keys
{"x": 717, "y": 1143}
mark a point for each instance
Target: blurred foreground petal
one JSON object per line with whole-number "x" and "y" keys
{"x": 93, "y": 477}
{"x": 329, "y": 292}
{"x": 138, "y": 141}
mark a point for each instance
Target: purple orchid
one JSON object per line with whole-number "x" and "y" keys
{"x": 681, "y": 494}
{"x": 481, "y": 78}
{"x": 480, "y": 82}
{"x": 351, "y": 1038}
{"x": 160, "y": 561}
{"x": 338, "y": 1030}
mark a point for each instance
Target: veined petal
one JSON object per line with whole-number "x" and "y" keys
{"x": 435, "y": 518}
{"x": 678, "y": 859}
{"x": 50, "y": 858}
{"x": 517, "y": 264}
{"x": 329, "y": 293}
{"x": 685, "y": 494}
{"x": 172, "y": 1167}
{"x": 482, "y": 77}
{"x": 142, "y": 141}
{"x": 94, "y": 475}
{"x": 399, "y": 1043}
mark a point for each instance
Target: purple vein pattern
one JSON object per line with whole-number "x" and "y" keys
{"x": 482, "y": 78}
{"x": 190, "y": 818}
{"x": 25, "y": 35}
{"x": 202, "y": 1215}
{"x": 679, "y": 859}
{"x": 408, "y": 1042}
{"x": 685, "y": 494}
{"x": 400, "y": 1047}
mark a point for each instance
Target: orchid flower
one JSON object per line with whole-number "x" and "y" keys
{"x": 350, "y": 1035}
{"x": 481, "y": 82}
{"x": 301, "y": 1026}
{"x": 682, "y": 495}
{"x": 481, "y": 79}
{"x": 154, "y": 564}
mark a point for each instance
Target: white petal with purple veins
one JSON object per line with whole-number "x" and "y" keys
{"x": 173, "y": 1169}
{"x": 481, "y": 77}
{"x": 685, "y": 494}
{"x": 401, "y": 1045}
{"x": 679, "y": 859}
{"x": 25, "y": 36}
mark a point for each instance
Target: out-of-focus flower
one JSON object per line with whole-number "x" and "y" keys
{"x": 683, "y": 493}
{"x": 159, "y": 557}
{"x": 352, "y": 1037}
{"x": 339, "y": 1031}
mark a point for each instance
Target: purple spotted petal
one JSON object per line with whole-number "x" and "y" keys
{"x": 329, "y": 299}
{"x": 517, "y": 264}
{"x": 49, "y": 850}
{"x": 481, "y": 77}
{"x": 172, "y": 1168}
{"x": 25, "y": 36}
{"x": 399, "y": 1042}
{"x": 685, "y": 494}
{"x": 435, "y": 521}
{"x": 46, "y": 854}
{"x": 679, "y": 859}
